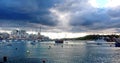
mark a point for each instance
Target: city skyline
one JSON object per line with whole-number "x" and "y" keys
{"x": 61, "y": 17}
{"x": 51, "y": 35}
{"x": 22, "y": 35}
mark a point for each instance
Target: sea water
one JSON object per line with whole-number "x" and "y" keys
{"x": 68, "y": 52}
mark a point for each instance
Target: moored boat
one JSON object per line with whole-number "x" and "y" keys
{"x": 117, "y": 44}
{"x": 117, "y": 41}
{"x": 59, "y": 41}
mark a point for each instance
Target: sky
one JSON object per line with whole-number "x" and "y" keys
{"x": 65, "y": 18}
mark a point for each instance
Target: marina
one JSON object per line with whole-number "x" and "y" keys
{"x": 50, "y": 52}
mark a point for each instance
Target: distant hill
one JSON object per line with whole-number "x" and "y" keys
{"x": 94, "y": 37}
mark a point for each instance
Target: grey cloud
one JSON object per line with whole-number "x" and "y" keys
{"x": 84, "y": 17}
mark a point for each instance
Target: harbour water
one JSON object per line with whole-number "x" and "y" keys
{"x": 69, "y": 52}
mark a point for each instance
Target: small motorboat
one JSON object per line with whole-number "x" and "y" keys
{"x": 33, "y": 43}
{"x": 9, "y": 44}
{"x": 59, "y": 41}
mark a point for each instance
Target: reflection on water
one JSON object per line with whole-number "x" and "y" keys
{"x": 70, "y": 52}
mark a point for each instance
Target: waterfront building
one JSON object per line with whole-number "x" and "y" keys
{"x": 22, "y": 34}
{"x": 32, "y": 37}
{"x": 19, "y": 34}
{"x": 39, "y": 36}
{"x": 4, "y": 35}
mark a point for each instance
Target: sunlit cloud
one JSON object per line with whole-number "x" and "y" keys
{"x": 113, "y": 3}
{"x": 104, "y": 3}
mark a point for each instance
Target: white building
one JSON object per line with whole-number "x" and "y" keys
{"x": 19, "y": 34}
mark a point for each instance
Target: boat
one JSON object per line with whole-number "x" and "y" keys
{"x": 9, "y": 44}
{"x": 100, "y": 41}
{"x": 117, "y": 44}
{"x": 59, "y": 41}
{"x": 117, "y": 41}
{"x": 33, "y": 43}
{"x": 4, "y": 41}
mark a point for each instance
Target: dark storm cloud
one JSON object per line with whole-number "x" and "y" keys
{"x": 21, "y": 12}
{"x": 6, "y": 14}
